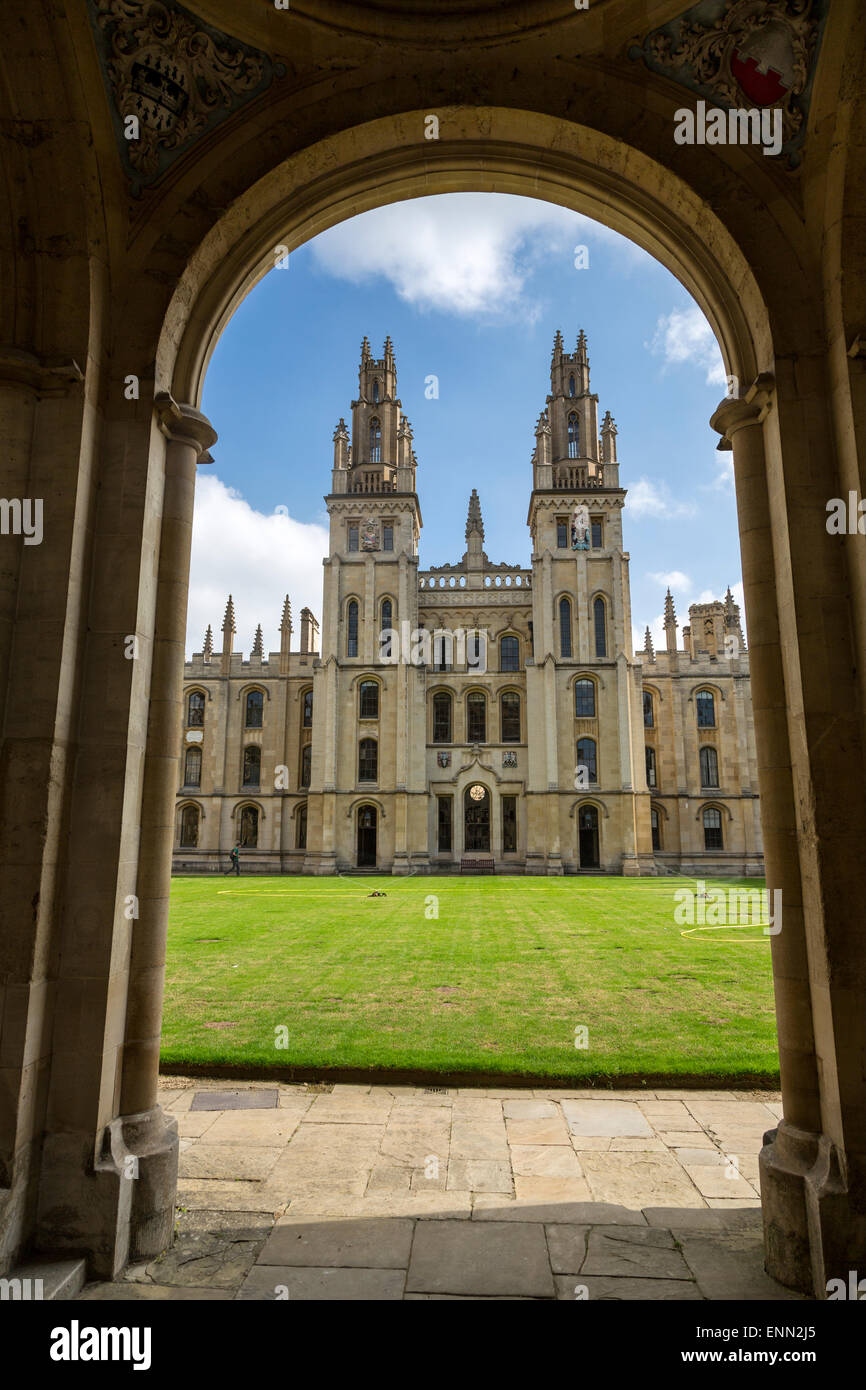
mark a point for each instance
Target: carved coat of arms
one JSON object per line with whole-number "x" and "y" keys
{"x": 443, "y": 759}
{"x": 370, "y": 534}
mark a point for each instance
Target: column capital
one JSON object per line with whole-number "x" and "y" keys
{"x": 185, "y": 424}
{"x": 739, "y": 412}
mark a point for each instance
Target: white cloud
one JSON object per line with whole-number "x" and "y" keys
{"x": 675, "y": 579}
{"x": 684, "y": 335}
{"x": 258, "y": 558}
{"x": 470, "y": 254}
{"x": 646, "y": 498}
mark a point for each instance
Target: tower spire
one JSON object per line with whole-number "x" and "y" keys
{"x": 670, "y": 622}
{"x": 648, "y": 645}
{"x": 474, "y": 522}
{"x": 258, "y": 643}
{"x": 229, "y": 630}
{"x": 557, "y": 346}
{"x": 207, "y": 649}
{"x": 229, "y": 618}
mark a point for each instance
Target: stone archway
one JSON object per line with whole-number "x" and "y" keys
{"x": 143, "y": 285}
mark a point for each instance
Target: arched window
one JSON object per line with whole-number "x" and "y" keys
{"x": 375, "y": 393}
{"x": 192, "y": 768}
{"x": 375, "y": 441}
{"x": 308, "y": 709}
{"x": 509, "y": 654}
{"x": 510, "y": 709}
{"x": 706, "y": 707}
{"x": 352, "y": 629}
{"x": 255, "y": 709}
{"x": 571, "y": 385}
{"x": 387, "y": 614}
{"x": 195, "y": 710}
{"x": 650, "y": 766}
{"x": 443, "y": 651}
{"x": 564, "y": 627}
{"x": 189, "y": 827}
{"x": 476, "y": 718}
{"x": 476, "y": 651}
{"x": 301, "y": 827}
{"x": 584, "y": 699}
{"x": 249, "y": 831}
{"x": 387, "y": 635}
{"x": 306, "y": 764}
{"x": 573, "y": 436}
{"x": 712, "y": 828}
{"x": 655, "y": 826}
{"x": 586, "y": 757}
{"x": 709, "y": 767}
{"x": 368, "y": 700}
{"x": 368, "y": 760}
{"x": 441, "y": 717}
{"x": 599, "y": 617}
{"x": 252, "y": 766}
{"x": 648, "y": 713}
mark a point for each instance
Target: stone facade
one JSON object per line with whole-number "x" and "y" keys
{"x": 476, "y": 710}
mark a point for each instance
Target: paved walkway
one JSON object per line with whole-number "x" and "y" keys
{"x": 402, "y": 1192}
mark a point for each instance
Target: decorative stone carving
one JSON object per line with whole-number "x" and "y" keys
{"x": 509, "y": 759}
{"x": 177, "y": 75}
{"x": 443, "y": 759}
{"x": 752, "y": 53}
{"x": 369, "y": 534}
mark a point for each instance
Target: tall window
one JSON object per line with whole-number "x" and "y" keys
{"x": 252, "y": 766}
{"x": 388, "y": 536}
{"x": 375, "y": 393}
{"x": 352, "y": 629}
{"x": 573, "y": 436}
{"x": 442, "y": 651}
{"x": 308, "y": 709}
{"x": 387, "y": 615}
{"x": 509, "y": 654}
{"x": 648, "y": 715}
{"x": 706, "y": 707}
{"x": 476, "y": 718}
{"x": 709, "y": 767}
{"x": 656, "y": 829}
{"x": 189, "y": 827}
{"x": 249, "y": 833}
{"x": 564, "y": 627}
{"x": 368, "y": 702}
{"x": 712, "y": 828}
{"x": 255, "y": 709}
{"x": 195, "y": 710}
{"x": 571, "y": 385}
{"x": 509, "y": 825}
{"x": 596, "y": 527}
{"x": 598, "y": 614}
{"x": 441, "y": 717}
{"x": 476, "y": 653}
{"x": 586, "y": 757}
{"x": 353, "y": 537}
{"x": 443, "y": 823}
{"x": 584, "y": 699}
{"x": 561, "y": 533}
{"x": 192, "y": 768}
{"x": 650, "y": 766}
{"x": 510, "y": 707}
{"x": 368, "y": 760}
{"x": 306, "y": 764}
{"x": 301, "y": 827}
{"x": 375, "y": 441}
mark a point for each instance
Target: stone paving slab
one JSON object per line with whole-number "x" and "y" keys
{"x": 603, "y": 1119}
{"x": 378, "y": 1244}
{"x": 644, "y": 1252}
{"x": 487, "y": 1259}
{"x": 629, "y": 1289}
{"x": 234, "y": 1100}
{"x": 277, "y": 1283}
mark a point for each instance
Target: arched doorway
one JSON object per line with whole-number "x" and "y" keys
{"x": 476, "y": 819}
{"x": 367, "y": 830}
{"x": 587, "y": 837}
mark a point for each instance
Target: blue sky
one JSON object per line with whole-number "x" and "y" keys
{"x": 471, "y": 288}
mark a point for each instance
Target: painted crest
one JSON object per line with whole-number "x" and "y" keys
{"x": 369, "y": 534}
{"x": 443, "y": 759}
{"x": 749, "y": 53}
{"x": 509, "y": 759}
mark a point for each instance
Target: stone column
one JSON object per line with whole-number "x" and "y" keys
{"x": 793, "y": 1146}
{"x": 189, "y": 435}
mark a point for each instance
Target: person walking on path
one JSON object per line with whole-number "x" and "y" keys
{"x": 235, "y": 865}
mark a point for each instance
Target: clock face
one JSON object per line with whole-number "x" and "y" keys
{"x": 477, "y": 793}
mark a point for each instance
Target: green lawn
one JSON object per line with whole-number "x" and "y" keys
{"x": 497, "y": 984}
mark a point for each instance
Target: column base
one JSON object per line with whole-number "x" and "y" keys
{"x": 121, "y": 1207}
{"x": 811, "y": 1233}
